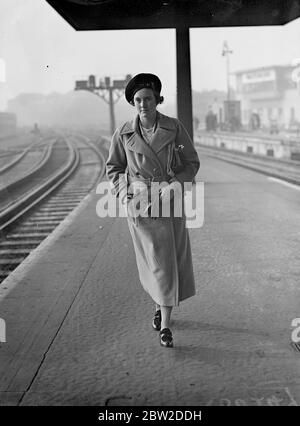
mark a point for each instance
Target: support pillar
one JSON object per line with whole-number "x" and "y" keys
{"x": 111, "y": 111}
{"x": 184, "y": 84}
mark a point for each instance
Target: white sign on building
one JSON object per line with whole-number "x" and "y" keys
{"x": 259, "y": 76}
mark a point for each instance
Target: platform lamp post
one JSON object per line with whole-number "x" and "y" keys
{"x": 109, "y": 91}
{"x": 226, "y": 52}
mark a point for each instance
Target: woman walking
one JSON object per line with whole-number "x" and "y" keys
{"x": 143, "y": 151}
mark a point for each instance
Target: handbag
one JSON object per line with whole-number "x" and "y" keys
{"x": 175, "y": 159}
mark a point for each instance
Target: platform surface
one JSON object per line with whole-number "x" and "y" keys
{"x": 79, "y": 323}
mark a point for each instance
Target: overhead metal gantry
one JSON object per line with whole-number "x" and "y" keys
{"x": 181, "y": 15}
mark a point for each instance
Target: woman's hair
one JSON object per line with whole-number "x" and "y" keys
{"x": 159, "y": 99}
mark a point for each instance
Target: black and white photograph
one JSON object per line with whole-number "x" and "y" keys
{"x": 150, "y": 206}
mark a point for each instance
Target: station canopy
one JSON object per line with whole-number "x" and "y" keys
{"x": 180, "y": 15}
{"x": 147, "y": 14}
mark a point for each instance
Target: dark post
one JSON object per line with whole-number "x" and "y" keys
{"x": 184, "y": 86}
{"x": 111, "y": 110}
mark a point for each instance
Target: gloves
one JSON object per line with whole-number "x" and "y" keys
{"x": 137, "y": 203}
{"x": 171, "y": 191}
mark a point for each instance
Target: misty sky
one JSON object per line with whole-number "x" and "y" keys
{"x": 42, "y": 53}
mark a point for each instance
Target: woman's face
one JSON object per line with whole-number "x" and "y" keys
{"x": 145, "y": 103}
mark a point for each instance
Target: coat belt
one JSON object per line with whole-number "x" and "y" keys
{"x": 147, "y": 181}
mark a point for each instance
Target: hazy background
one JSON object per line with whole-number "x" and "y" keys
{"x": 44, "y": 55}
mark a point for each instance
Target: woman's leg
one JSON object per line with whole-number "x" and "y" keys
{"x": 166, "y": 338}
{"x": 165, "y": 316}
{"x": 157, "y": 318}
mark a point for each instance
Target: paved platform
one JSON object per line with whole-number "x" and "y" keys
{"x": 79, "y": 324}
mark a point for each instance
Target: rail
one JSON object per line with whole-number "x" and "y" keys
{"x": 18, "y": 208}
{"x": 21, "y": 155}
{"x": 36, "y": 168}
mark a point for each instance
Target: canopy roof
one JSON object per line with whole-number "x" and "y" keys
{"x": 147, "y": 14}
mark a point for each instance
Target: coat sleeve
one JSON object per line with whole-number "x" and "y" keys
{"x": 116, "y": 165}
{"x": 189, "y": 155}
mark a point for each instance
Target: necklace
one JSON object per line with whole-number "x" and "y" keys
{"x": 147, "y": 133}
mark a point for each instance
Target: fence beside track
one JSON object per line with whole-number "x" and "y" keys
{"x": 288, "y": 170}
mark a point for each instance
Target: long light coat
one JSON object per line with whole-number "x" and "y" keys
{"x": 162, "y": 245}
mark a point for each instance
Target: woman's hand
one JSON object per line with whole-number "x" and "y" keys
{"x": 168, "y": 192}
{"x": 137, "y": 204}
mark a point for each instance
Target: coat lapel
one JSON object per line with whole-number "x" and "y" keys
{"x": 164, "y": 134}
{"x": 136, "y": 143}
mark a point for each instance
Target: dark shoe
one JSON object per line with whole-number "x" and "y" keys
{"x": 166, "y": 338}
{"x": 157, "y": 320}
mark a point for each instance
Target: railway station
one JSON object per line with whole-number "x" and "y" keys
{"x": 76, "y": 326}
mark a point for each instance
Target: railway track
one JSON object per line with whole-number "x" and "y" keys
{"x": 17, "y": 158}
{"x": 13, "y": 176}
{"x": 23, "y": 193}
{"x": 14, "y": 150}
{"x": 9, "y": 157}
{"x": 53, "y": 203}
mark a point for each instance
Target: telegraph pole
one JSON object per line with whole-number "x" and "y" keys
{"x": 227, "y": 105}
{"x": 226, "y": 52}
{"x": 109, "y": 91}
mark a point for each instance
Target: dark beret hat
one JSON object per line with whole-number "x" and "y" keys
{"x": 142, "y": 81}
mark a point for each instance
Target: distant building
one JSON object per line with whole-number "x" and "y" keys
{"x": 8, "y": 123}
{"x": 270, "y": 94}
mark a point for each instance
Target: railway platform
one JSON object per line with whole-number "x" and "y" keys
{"x": 78, "y": 324}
